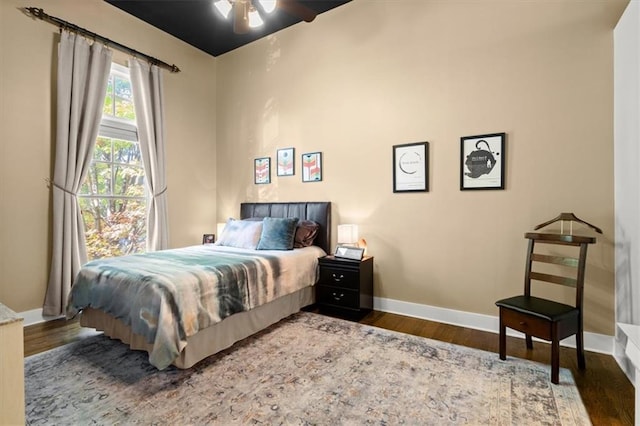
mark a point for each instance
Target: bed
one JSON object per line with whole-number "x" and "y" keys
{"x": 263, "y": 307}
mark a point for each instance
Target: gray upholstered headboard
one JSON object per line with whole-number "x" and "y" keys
{"x": 319, "y": 212}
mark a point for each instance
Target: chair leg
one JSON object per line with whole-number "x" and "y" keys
{"x": 503, "y": 340}
{"x": 555, "y": 356}
{"x": 580, "y": 350}
{"x": 529, "y": 341}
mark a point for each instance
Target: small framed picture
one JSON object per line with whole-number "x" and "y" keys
{"x": 349, "y": 252}
{"x": 482, "y": 161}
{"x": 262, "y": 170}
{"x": 410, "y": 167}
{"x": 312, "y": 167}
{"x": 286, "y": 162}
{"x": 208, "y": 238}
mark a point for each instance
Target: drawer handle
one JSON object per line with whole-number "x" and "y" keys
{"x": 337, "y": 278}
{"x": 336, "y": 297}
{"x": 523, "y": 323}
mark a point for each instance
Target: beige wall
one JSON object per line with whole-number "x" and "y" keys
{"x": 27, "y": 48}
{"x": 372, "y": 74}
{"x": 356, "y": 81}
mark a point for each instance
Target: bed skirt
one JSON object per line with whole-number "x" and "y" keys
{"x": 212, "y": 339}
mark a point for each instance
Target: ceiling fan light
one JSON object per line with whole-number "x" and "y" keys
{"x": 254, "y": 18}
{"x": 268, "y": 5}
{"x": 224, "y": 7}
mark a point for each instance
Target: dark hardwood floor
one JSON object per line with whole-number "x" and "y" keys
{"x": 606, "y": 392}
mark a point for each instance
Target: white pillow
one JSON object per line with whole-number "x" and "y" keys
{"x": 240, "y": 234}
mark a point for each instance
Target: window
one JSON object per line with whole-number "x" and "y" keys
{"x": 113, "y": 196}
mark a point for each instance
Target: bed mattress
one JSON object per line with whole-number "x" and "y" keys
{"x": 169, "y": 296}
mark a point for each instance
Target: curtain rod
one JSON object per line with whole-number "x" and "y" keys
{"x": 39, "y": 13}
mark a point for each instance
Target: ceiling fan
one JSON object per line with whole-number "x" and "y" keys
{"x": 246, "y": 15}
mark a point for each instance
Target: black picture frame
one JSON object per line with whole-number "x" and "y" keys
{"x": 411, "y": 167}
{"x": 312, "y": 167}
{"x": 208, "y": 238}
{"x": 482, "y": 162}
{"x": 262, "y": 170}
{"x": 285, "y": 162}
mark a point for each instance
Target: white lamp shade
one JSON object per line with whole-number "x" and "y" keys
{"x": 254, "y": 18}
{"x": 268, "y": 5}
{"x": 224, "y": 7}
{"x": 347, "y": 234}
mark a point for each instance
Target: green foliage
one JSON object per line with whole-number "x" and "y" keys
{"x": 123, "y": 99}
{"x": 114, "y": 227}
{"x": 119, "y": 99}
{"x": 113, "y": 200}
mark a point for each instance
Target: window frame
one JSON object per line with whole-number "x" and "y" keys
{"x": 114, "y": 128}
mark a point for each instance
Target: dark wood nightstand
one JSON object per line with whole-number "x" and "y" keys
{"x": 345, "y": 286}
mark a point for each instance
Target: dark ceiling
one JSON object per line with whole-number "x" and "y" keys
{"x": 198, "y": 23}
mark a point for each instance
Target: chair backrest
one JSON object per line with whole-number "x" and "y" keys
{"x": 574, "y": 267}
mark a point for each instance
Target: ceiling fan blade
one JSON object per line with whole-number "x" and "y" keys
{"x": 240, "y": 18}
{"x": 294, "y": 7}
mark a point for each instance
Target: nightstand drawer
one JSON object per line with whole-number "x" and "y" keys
{"x": 340, "y": 277}
{"x": 338, "y": 297}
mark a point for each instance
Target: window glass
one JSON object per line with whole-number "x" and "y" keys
{"x": 123, "y": 98}
{"x": 113, "y": 195}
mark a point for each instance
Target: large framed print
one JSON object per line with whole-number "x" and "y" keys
{"x": 482, "y": 161}
{"x": 262, "y": 170}
{"x": 410, "y": 167}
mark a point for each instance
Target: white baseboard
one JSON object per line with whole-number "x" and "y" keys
{"x": 35, "y": 316}
{"x": 592, "y": 341}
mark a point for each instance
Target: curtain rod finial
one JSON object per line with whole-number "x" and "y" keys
{"x": 36, "y": 12}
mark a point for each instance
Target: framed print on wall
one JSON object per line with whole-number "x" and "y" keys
{"x": 312, "y": 167}
{"x": 262, "y": 170}
{"x": 410, "y": 167}
{"x": 482, "y": 161}
{"x": 286, "y": 162}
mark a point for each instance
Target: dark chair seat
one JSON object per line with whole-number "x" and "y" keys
{"x": 542, "y": 308}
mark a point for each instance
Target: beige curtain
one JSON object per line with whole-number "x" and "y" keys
{"x": 83, "y": 72}
{"x": 146, "y": 83}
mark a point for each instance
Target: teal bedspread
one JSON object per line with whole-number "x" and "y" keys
{"x": 169, "y": 295}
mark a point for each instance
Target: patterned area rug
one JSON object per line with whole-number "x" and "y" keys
{"x": 307, "y": 369}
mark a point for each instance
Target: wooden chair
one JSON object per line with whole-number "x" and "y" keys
{"x": 543, "y": 318}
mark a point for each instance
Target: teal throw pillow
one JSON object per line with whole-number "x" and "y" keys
{"x": 277, "y": 233}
